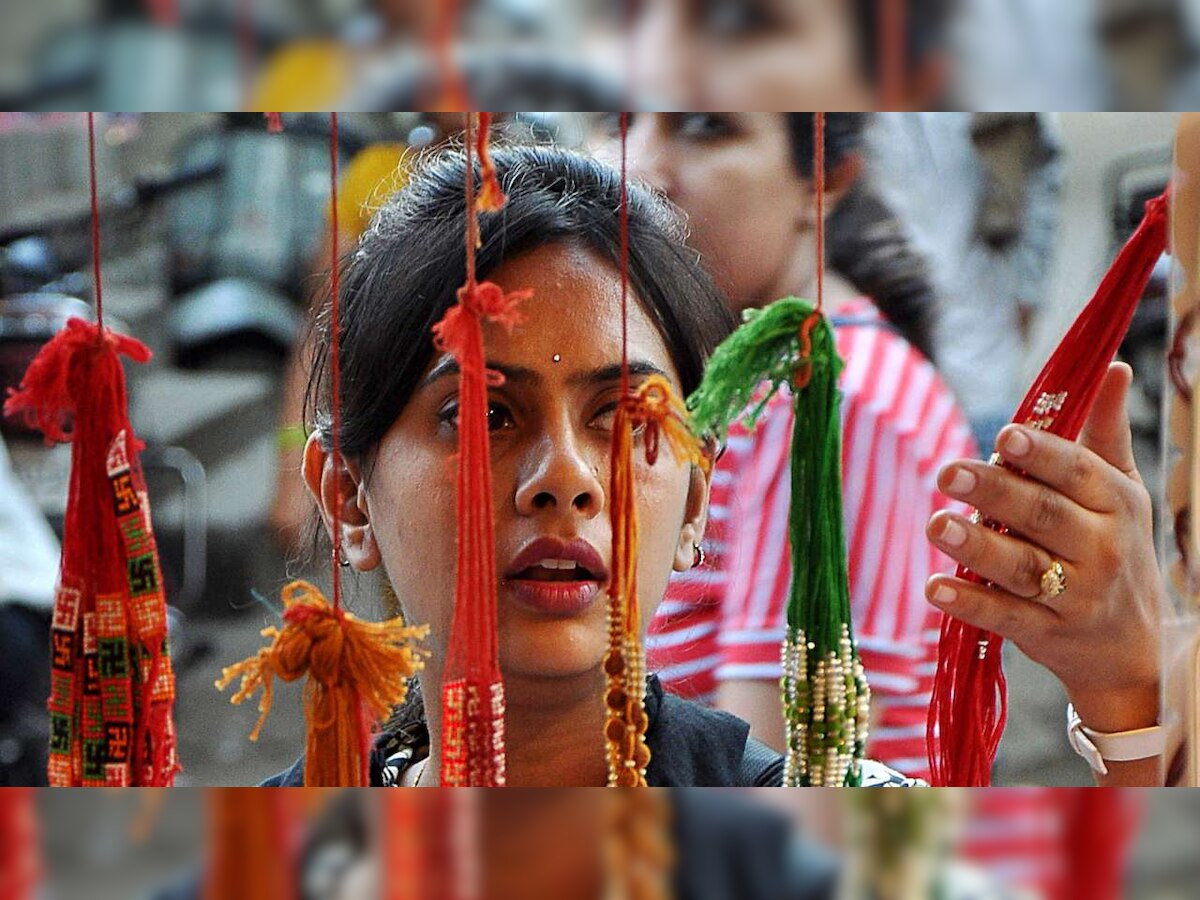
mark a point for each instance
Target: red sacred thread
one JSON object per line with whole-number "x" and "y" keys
{"x": 335, "y": 318}
{"x": 969, "y": 704}
{"x": 91, "y": 127}
{"x": 472, "y": 690}
{"x": 274, "y": 122}
{"x": 112, "y": 685}
{"x": 893, "y": 27}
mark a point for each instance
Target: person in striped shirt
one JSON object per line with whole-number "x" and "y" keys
{"x": 742, "y": 179}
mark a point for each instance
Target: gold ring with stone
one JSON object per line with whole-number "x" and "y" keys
{"x": 1054, "y": 581}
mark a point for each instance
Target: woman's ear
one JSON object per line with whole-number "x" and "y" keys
{"x": 324, "y": 474}
{"x": 695, "y": 518}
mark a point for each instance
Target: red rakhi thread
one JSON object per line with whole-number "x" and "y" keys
{"x": 96, "y": 283}
{"x": 970, "y": 704}
{"x": 473, "y": 690}
{"x": 274, "y": 122}
{"x": 112, "y": 687}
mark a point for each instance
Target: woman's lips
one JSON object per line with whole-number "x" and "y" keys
{"x": 553, "y": 598}
{"x": 554, "y": 577}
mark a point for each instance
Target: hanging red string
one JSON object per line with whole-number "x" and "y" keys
{"x": 274, "y": 122}
{"x": 97, "y": 285}
{"x": 970, "y": 703}
{"x": 358, "y": 670}
{"x": 893, "y": 36}
{"x": 472, "y": 689}
{"x": 111, "y": 682}
{"x": 819, "y": 192}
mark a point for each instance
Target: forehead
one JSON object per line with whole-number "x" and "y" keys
{"x": 574, "y": 313}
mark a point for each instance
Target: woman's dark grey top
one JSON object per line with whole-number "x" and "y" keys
{"x": 690, "y": 746}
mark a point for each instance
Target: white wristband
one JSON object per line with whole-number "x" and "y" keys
{"x": 1123, "y": 746}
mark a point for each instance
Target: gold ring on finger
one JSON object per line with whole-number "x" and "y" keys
{"x": 1054, "y": 581}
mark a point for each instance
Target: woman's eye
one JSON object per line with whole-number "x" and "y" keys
{"x": 606, "y": 418}
{"x": 735, "y": 18}
{"x": 499, "y": 416}
{"x": 704, "y": 126}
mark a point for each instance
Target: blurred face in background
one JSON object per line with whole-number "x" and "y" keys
{"x": 759, "y": 54}
{"x": 750, "y": 213}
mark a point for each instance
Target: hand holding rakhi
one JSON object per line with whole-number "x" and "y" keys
{"x": 1083, "y": 506}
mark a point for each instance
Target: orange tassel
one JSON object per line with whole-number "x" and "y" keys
{"x": 655, "y": 407}
{"x": 491, "y": 197}
{"x": 253, "y": 845}
{"x": 358, "y": 670}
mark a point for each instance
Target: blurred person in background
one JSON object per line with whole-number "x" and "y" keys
{"x": 744, "y": 180}
{"x": 29, "y": 556}
{"x": 979, "y": 195}
{"x": 773, "y": 54}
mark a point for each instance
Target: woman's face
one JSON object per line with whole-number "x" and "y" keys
{"x": 749, "y": 212}
{"x": 551, "y": 432}
{"x": 730, "y": 54}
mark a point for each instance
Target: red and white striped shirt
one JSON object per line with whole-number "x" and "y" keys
{"x": 726, "y": 620}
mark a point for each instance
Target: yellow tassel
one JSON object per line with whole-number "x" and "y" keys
{"x": 656, "y": 408}
{"x": 359, "y": 672}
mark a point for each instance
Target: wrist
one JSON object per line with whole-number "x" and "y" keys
{"x": 1116, "y": 711}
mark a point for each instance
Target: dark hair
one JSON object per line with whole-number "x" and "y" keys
{"x": 407, "y": 267}
{"x": 925, "y": 23}
{"x": 865, "y": 242}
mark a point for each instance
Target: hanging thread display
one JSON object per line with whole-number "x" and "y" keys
{"x": 358, "y": 670}
{"x": 112, "y": 687}
{"x": 653, "y": 409}
{"x": 970, "y": 698}
{"x": 472, "y": 690}
{"x": 790, "y": 345}
{"x": 20, "y": 858}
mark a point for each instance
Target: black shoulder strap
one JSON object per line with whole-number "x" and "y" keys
{"x": 761, "y": 766}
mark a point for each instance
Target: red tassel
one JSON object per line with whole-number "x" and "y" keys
{"x": 112, "y": 685}
{"x": 20, "y": 861}
{"x": 274, "y": 122}
{"x": 472, "y": 689}
{"x": 969, "y": 704}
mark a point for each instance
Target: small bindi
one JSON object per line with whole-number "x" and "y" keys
{"x": 557, "y": 357}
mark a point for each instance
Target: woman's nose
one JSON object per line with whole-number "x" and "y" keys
{"x": 559, "y": 476}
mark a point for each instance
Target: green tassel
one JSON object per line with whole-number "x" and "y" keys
{"x": 825, "y": 695}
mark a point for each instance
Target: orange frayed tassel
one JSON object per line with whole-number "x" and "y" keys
{"x": 654, "y": 407}
{"x": 491, "y": 197}
{"x": 359, "y": 672}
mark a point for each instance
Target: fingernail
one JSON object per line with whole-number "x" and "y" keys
{"x": 962, "y": 483}
{"x": 944, "y": 595}
{"x": 1016, "y": 444}
{"x": 954, "y": 534}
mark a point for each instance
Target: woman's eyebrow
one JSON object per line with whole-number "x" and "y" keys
{"x": 449, "y": 366}
{"x": 637, "y": 368}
